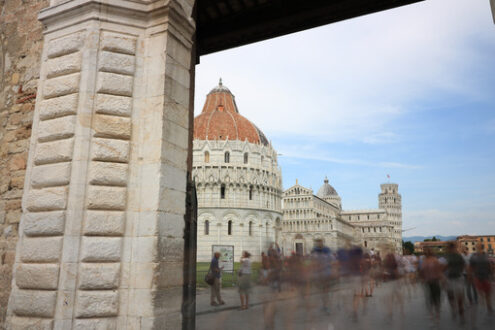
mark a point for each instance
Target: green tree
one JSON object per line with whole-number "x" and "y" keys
{"x": 408, "y": 246}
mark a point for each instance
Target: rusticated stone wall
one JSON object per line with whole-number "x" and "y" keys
{"x": 21, "y": 43}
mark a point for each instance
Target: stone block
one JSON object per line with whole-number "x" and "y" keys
{"x": 108, "y": 174}
{"x": 172, "y": 201}
{"x": 106, "y": 198}
{"x": 173, "y": 177}
{"x": 17, "y": 162}
{"x": 13, "y": 205}
{"x": 34, "y": 303}
{"x": 17, "y": 183}
{"x": 59, "y": 106}
{"x": 50, "y": 175}
{"x": 114, "y": 105}
{"x": 112, "y": 127}
{"x": 92, "y": 304}
{"x": 18, "y": 146}
{"x": 61, "y": 86}
{"x": 104, "y": 223}
{"x": 63, "y": 65}
{"x": 56, "y": 129}
{"x": 116, "y": 63}
{"x": 118, "y": 43}
{"x": 99, "y": 276}
{"x": 110, "y": 150}
{"x": 47, "y": 199}
{"x": 145, "y": 249}
{"x": 107, "y": 323}
{"x": 101, "y": 249}
{"x": 170, "y": 275}
{"x": 171, "y": 249}
{"x": 114, "y": 84}
{"x": 30, "y": 323}
{"x": 41, "y": 249}
{"x": 44, "y": 223}
{"x": 37, "y": 276}
{"x": 54, "y": 152}
{"x": 65, "y": 45}
{"x": 13, "y": 216}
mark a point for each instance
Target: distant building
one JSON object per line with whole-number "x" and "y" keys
{"x": 438, "y": 247}
{"x": 308, "y": 217}
{"x": 470, "y": 241}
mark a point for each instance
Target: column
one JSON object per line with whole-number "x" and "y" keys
{"x": 101, "y": 237}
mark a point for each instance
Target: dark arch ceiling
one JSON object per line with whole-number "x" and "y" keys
{"x": 224, "y": 24}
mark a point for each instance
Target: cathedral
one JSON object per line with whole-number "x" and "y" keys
{"x": 241, "y": 202}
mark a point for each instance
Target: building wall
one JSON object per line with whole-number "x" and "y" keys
{"x": 20, "y": 54}
{"x": 252, "y": 190}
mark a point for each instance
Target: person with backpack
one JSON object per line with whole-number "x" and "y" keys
{"x": 216, "y": 272}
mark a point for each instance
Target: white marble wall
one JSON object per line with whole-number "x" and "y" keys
{"x": 101, "y": 241}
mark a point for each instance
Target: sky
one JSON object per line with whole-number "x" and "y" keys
{"x": 408, "y": 92}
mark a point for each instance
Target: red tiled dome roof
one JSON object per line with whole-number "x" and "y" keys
{"x": 220, "y": 120}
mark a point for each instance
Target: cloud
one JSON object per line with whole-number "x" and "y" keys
{"x": 351, "y": 81}
{"x": 287, "y": 153}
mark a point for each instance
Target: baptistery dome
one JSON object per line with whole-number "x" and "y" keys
{"x": 238, "y": 180}
{"x": 220, "y": 120}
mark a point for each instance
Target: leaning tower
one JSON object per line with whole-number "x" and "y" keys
{"x": 390, "y": 200}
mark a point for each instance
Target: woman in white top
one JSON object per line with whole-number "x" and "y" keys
{"x": 245, "y": 279}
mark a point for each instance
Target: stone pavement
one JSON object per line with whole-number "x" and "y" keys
{"x": 293, "y": 312}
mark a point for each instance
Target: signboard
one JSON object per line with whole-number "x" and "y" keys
{"x": 226, "y": 259}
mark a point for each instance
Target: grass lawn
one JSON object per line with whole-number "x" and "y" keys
{"x": 228, "y": 279}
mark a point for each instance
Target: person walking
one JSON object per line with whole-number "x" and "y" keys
{"x": 471, "y": 292}
{"x": 482, "y": 273}
{"x": 455, "y": 282}
{"x": 217, "y": 283}
{"x": 431, "y": 272}
{"x": 245, "y": 280}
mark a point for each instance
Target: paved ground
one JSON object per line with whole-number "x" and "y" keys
{"x": 382, "y": 311}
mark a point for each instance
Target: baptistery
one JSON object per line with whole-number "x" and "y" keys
{"x": 238, "y": 180}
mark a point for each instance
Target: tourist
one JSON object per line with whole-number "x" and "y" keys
{"x": 215, "y": 287}
{"x": 455, "y": 282}
{"x": 471, "y": 292}
{"x": 245, "y": 279}
{"x": 265, "y": 266}
{"x": 322, "y": 261}
{"x": 431, "y": 272}
{"x": 482, "y": 274}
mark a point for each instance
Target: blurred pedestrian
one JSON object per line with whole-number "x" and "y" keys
{"x": 482, "y": 274}
{"x": 217, "y": 284}
{"x": 322, "y": 262}
{"x": 245, "y": 279}
{"x": 265, "y": 266}
{"x": 455, "y": 282}
{"x": 431, "y": 272}
{"x": 471, "y": 292}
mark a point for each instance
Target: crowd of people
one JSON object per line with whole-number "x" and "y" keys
{"x": 465, "y": 280}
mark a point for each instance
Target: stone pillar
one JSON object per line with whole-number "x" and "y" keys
{"x": 101, "y": 237}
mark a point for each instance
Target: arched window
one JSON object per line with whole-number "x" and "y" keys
{"x": 251, "y": 193}
{"x": 250, "y": 228}
{"x": 229, "y": 227}
{"x": 246, "y": 158}
{"x": 207, "y": 227}
{"x": 207, "y": 157}
{"x": 227, "y": 157}
{"x": 266, "y": 226}
{"x": 222, "y": 191}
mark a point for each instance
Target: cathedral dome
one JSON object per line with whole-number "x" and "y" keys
{"x": 220, "y": 120}
{"x": 326, "y": 190}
